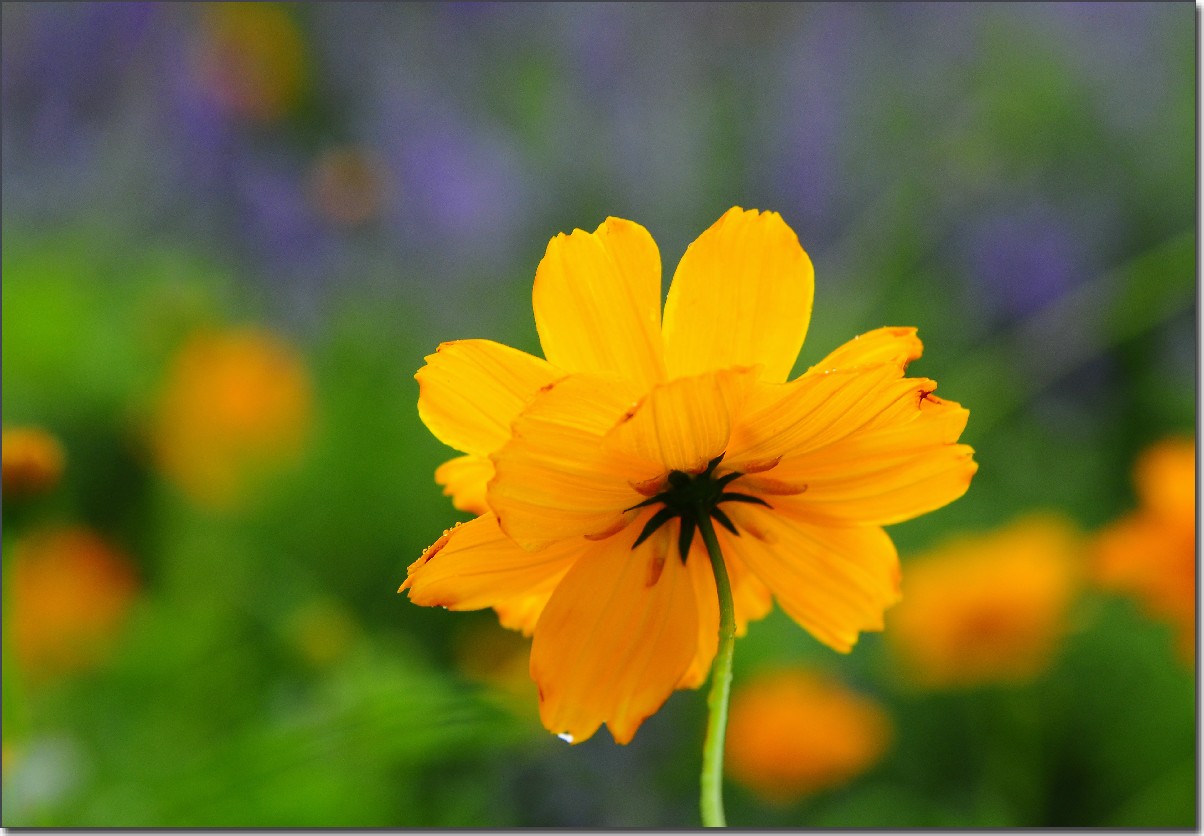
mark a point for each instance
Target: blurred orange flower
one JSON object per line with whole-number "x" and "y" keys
{"x": 32, "y": 461}
{"x": 348, "y": 185}
{"x": 67, "y": 594}
{"x": 252, "y": 59}
{"x": 1150, "y": 554}
{"x": 236, "y": 405}
{"x": 987, "y": 608}
{"x": 795, "y": 732}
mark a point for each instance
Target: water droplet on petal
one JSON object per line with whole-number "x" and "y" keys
{"x": 566, "y": 737}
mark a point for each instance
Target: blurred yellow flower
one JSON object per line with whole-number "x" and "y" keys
{"x": 251, "y": 58}
{"x": 67, "y": 594}
{"x": 32, "y": 461}
{"x": 593, "y": 468}
{"x": 235, "y": 405}
{"x": 1150, "y": 554}
{"x": 795, "y": 732}
{"x": 988, "y": 608}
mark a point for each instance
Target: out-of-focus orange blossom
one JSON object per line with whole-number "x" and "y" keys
{"x": 235, "y": 406}
{"x": 795, "y": 732}
{"x": 1150, "y": 554}
{"x": 251, "y": 59}
{"x": 987, "y": 608}
{"x": 68, "y": 593}
{"x": 348, "y": 185}
{"x": 33, "y": 461}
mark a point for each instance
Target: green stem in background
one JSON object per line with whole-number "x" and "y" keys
{"x": 721, "y": 683}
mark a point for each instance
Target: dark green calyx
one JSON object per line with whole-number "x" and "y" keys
{"x": 692, "y": 496}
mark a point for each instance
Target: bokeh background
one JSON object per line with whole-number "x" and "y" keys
{"x": 232, "y": 232}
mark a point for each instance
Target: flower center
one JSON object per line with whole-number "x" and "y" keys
{"x": 693, "y": 497}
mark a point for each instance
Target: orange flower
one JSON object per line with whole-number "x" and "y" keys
{"x": 989, "y": 608}
{"x": 593, "y": 468}
{"x": 251, "y": 59}
{"x": 32, "y": 461}
{"x": 235, "y": 405}
{"x": 348, "y": 185}
{"x": 67, "y": 595}
{"x": 794, "y": 732}
{"x": 1151, "y": 553}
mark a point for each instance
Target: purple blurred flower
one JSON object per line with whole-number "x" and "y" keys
{"x": 69, "y": 73}
{"x": 1020, "y": 259}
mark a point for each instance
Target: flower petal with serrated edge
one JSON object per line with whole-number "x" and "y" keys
{"x": 750, "y": 601}
{"x": 597, "y": 300}
{"x": 609, "y": 647}
{"x": 555, "y": 478}
{"x": 859, "y": 448}
{"x": 474, "y": 565}
{"x": 470, "y": 391}
{"x": 464, "y": 479}
{"x": 741, "y": 296}
{"x": 683, "y": 424}
{"x": 897, "y": 346}
{"x": 836, "y": 582}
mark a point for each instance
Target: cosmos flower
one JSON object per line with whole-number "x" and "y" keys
{"x": 795, "y": 732}
{"x": 592, "y": 469}
{"x": 1150, "y": 554}
{"x": 988, "y": 608}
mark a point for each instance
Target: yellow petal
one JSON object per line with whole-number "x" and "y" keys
{"x": 683, "y": 424}
{"x": 471, "y": 390}
{"x": 750, "y": 600}
{"x": 853, "y": 440}
{"x": 898, "y": 346}
{"x": 555, "y": 478}
{"x": 741, "y": 296}
{"x": 885, "y": 491}
{"x": 809, "y": 412}
{"x": 474, "y": 566}
{"x": 706, "y": 599}
{"x": 522, "y": 613}
{"x": 908, "y": 414}
{"x": 597, "y": 300}
{"x": 464, "y": 479}
{"x": 897, "y": 464}
{"x": 609, "y": 648}
{"x": 835, "y": 582}
{"x": 834, "y": 398}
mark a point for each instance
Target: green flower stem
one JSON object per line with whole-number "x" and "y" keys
{"x": 721, "y": 684}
